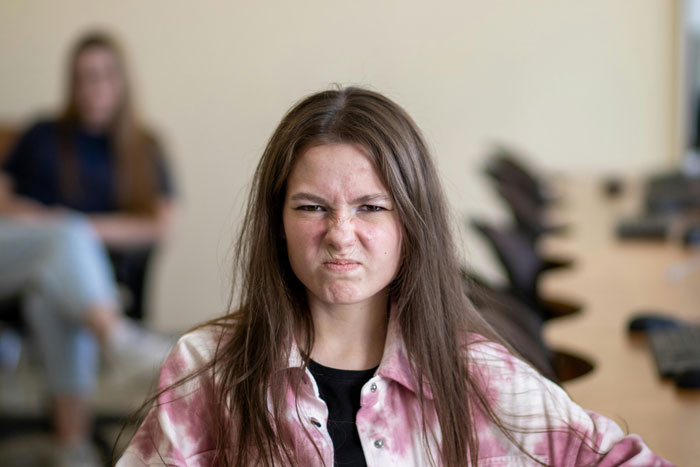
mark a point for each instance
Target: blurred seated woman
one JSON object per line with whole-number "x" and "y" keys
{"x": 90, "y": 179}
{"x": 352, "y": 341}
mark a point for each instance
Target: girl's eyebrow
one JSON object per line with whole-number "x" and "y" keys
{"x": 371, "y": 198}
{"x": 320, "y": 200}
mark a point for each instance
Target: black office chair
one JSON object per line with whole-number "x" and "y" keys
{"x": 521, "y": 327}
{"x": 527, "y": 214}
{"x": 524, "y": 266}
{"x": 131, "y": 270}
{"x": 506, "y": 167}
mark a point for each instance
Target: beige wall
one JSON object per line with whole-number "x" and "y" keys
{"x": 578, "y": 85}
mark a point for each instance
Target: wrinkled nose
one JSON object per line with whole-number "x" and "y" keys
{"x": 340, "y": 236}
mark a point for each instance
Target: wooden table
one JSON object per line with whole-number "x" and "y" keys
{"x": 614, "y": 279}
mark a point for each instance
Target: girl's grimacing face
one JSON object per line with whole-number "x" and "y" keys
{"x": 343, "y": 234}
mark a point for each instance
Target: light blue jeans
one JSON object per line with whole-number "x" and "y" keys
{"x": 61, "y": 270}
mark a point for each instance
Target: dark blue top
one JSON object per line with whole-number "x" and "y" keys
{"x": 33, "y": 166}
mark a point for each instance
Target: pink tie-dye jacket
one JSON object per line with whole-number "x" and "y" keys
{"x": 177, "y": 430}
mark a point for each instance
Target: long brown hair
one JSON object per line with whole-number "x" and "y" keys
{"x": 134, "y": 148}
{"x": 427, "y": 295}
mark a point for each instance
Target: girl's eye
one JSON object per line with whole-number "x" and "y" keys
{"x": 311, "y": 207}
{"x": 371, "y": 208}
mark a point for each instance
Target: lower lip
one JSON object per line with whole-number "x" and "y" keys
{"x": 338, "y": 267}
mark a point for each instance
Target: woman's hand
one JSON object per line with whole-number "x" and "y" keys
{"x": 18, "y": 207}
{"x": 128, "y": 230}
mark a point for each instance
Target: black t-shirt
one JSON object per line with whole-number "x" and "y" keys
{"x": 33, "y": 165}
{"x": 341, "y": 389}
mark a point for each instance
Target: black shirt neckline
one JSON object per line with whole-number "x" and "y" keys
{"x": 337, "y": 374}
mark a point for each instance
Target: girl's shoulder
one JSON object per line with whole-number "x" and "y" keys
{"x": 201, "y": 340}
{"x": 487, "y": 353}
{"x": 192, "y": 352}
{"x": 178, "y": 426}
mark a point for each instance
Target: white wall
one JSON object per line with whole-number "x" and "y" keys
{"x": 580, "y": 86}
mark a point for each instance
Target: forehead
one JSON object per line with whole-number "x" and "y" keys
{"x": 335, "y": 169}
{"x": 96, "y": 55}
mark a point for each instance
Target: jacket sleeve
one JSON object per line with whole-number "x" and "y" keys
{"x": 544, "y": 421}
{"x": 176, "y": 430}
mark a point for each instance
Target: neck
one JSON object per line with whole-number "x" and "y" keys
{"x": 95, "y": 126}
{"x": 349, "y": 337}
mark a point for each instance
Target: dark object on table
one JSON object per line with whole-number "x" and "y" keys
{"x": 688, "y": 379}
{"x": 612, "y": 186}
{"x": 648, "y": 322}
{"x": 646, "y": 227}
{"x": 671, "y": 193}
{"x": 691, "y": 237}
{"x": 676, "y": 350}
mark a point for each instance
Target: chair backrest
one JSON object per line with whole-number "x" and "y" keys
{"x": 8, "y": 135}
{"x": 131, "y": 268}
{"x": 518, "y": 256}
{"x": 507, "y": 167}
{"x": 521, "y": 326}
{"x": 518, "y": 324}
{"x": 500, "y": 169}
{"x": 527, "y": 214}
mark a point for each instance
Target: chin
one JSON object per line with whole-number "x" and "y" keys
{"x": 343, "y": 296}
{"x": 343, "y": 299}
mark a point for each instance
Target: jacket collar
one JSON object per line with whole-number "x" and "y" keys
{"x": 394, "y": 364}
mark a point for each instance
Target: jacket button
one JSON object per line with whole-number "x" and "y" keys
{"x": 316, "y": 423}
{"x": 373, "y": 387}
{"x": 378, "y": 443}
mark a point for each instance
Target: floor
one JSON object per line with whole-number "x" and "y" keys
{"x": 22, "y": 392}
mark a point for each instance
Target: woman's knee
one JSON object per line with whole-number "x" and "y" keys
{"x": 71, "y": 230}
{"x": 76, "y": 273}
